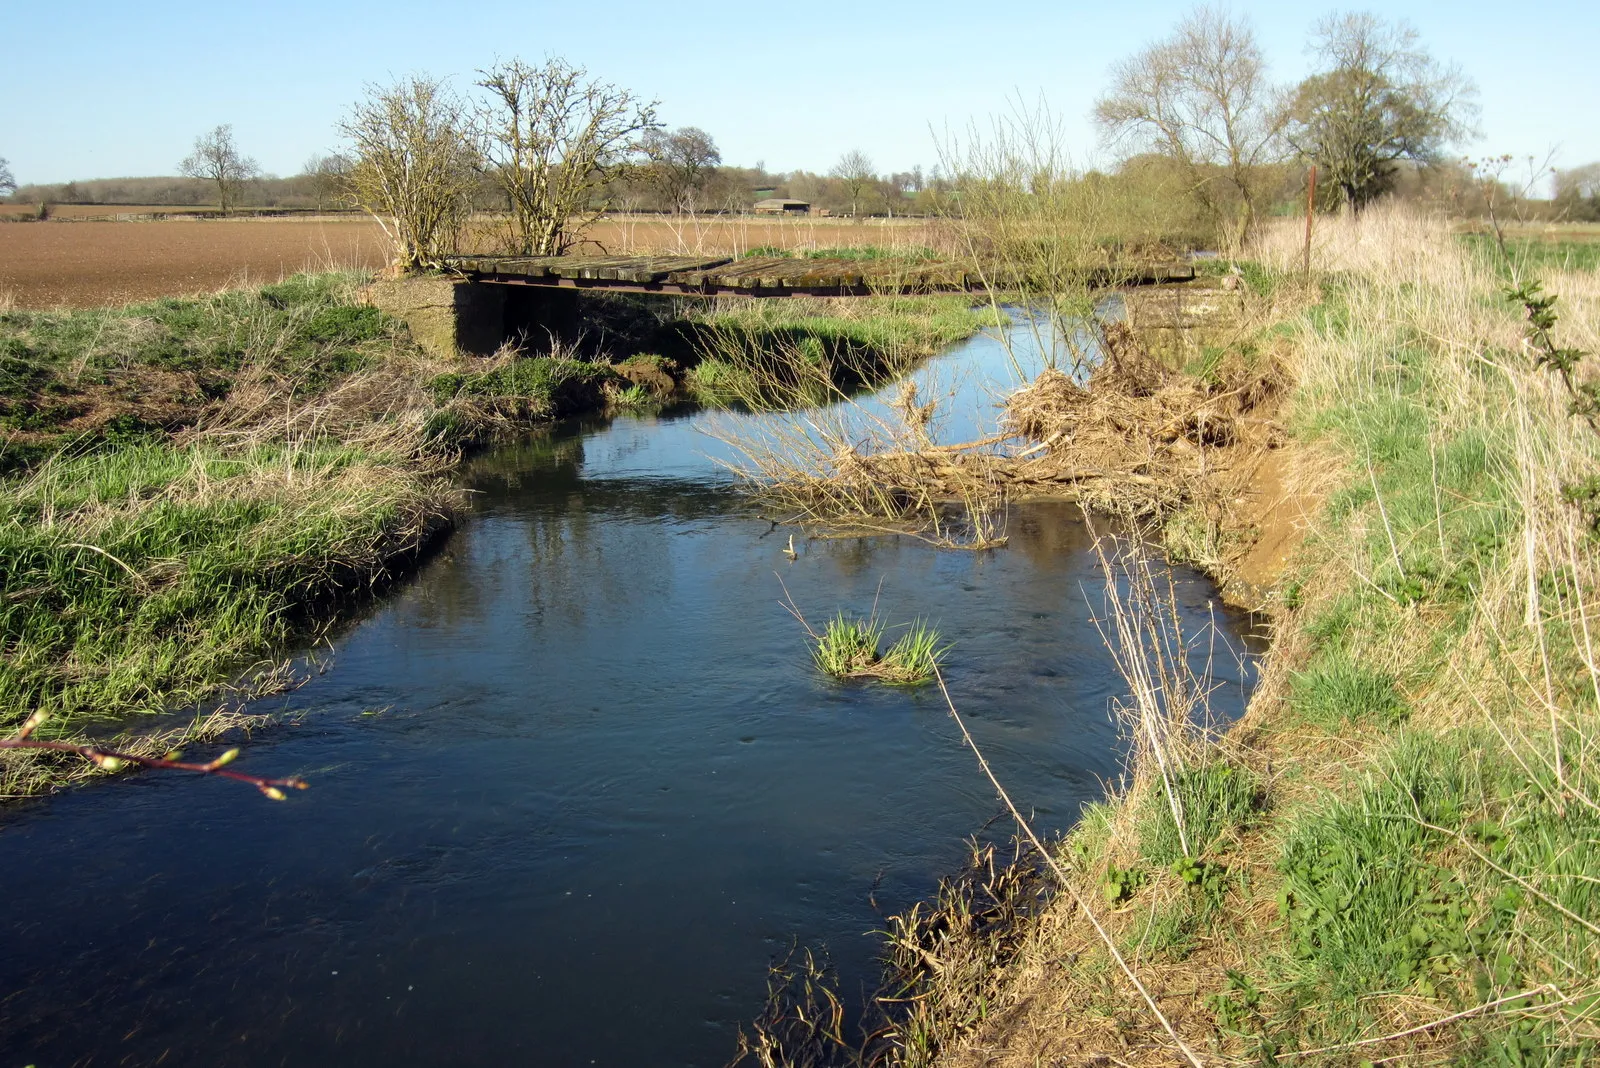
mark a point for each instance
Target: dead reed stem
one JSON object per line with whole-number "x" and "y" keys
{"x": 1066, "y": 882}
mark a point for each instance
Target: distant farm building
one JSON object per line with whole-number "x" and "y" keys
{"x": 778, "y": 206}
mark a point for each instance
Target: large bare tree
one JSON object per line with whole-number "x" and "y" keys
{"x": 681, "y": 162}
{"x": 855, "y": 170}
{"x": 555, "y": 142}
{"x": 1380, "y": 98}
{"x": 1201, "y": 98}
{"x": 414, "y": 167}
{"x": 8, "y": 183}
{"x": 217, "y": 159}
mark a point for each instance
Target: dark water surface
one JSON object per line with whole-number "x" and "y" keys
{"x": 572, "y": 787}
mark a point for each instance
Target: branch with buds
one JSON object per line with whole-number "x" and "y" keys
{"x": 114, "y": 760}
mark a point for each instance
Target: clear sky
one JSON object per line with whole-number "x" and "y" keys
{"x": 110, "y": 89}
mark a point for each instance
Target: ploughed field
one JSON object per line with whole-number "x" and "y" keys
{"x": 85, "y": 264}
{"x": 88, "y": 264}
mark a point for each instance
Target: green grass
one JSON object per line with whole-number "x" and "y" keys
{"x": 1444, "y": 875}
{"x": 1334, "y": 692}
{"x": 849, "y": 648}
{"x": 924, "y": 323}
{"x": 137, "y": 578}
{"x": 103, "y": 374}
{"x": 139, "y": 574}
{"x": 848, "y": 645}
{"x": 1533, "y": 256}
{"x": 1215, "y": 797}
{"x": 1449, "y": 864}
{"x": 533, "y": 386}
{"x": 1424, "y": 814}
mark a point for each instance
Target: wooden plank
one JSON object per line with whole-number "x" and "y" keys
{"x": 584, "y": 267}
{"x": 914, "y": 276}
{"x": 829, "y": 274}
{"x": 657, "y": 270}
{"x": 734, "y": 275}
{"x": 756, "y": 274}
{"x": 524, "y": 266}
{"x": 513, "y": 266}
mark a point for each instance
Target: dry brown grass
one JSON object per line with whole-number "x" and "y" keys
{"x": 1138, "y": 439}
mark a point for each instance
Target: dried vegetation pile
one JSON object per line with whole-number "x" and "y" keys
{"x": 1135, "y": 436}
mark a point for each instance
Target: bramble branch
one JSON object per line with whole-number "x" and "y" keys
{"x": 113, "y": 760}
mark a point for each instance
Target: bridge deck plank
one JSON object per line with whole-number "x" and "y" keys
{"x": 759, "y": 276}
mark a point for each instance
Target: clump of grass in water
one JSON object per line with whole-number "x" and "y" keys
{"x": 848, "y": 645}
{"x": 848, "y": 649}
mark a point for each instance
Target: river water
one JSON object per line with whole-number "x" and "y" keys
{"x": 574, "y": 784}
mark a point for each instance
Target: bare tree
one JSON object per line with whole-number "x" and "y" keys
{"x": 1379, "y": 99}
{"x": 217, "y": 159}
{"x": 1578, "y": 193}
{"x": 1581, "y": 181}
{"x": 330, "y": 177}
{"x": 415, "y": 167}
{"x": 8, "y": 183}
{"x": 1201, "y": 98}
{"x": 855, "y": 170}
{"x": 555, "y": 142}
{"x": 894, "y": 187}
{"x": 680, "y": 162}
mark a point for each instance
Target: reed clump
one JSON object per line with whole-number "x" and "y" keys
{"x": 851, "y": 647}
{"x": 941, "y": 969}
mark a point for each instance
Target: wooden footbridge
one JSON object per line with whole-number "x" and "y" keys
{"x": 760, "y": 276}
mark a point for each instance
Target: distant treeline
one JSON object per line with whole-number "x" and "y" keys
{"x": 723, "y": 189}
{"x": 1449, "y": 187}
{"x": 298, "y": 191}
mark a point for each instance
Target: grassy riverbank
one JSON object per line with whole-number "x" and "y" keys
{"x": 1393, "y": 856}
{"x": 190, "y": 487}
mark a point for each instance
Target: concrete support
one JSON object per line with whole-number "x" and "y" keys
{"x": 450, "y": 317}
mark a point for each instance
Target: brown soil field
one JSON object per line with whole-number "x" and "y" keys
{"x": 44, "y": 265}
{"x": 89, "y": 211}
{"x": 86, "y": 264}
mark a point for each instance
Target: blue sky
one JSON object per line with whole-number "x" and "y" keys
{"x": 122, "y": 89}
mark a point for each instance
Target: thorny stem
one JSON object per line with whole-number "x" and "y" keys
{"x": 112, "y": 759}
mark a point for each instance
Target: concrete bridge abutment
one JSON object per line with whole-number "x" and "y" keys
{"x": 452, "y": 316}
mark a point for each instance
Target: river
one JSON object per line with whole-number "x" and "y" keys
{"x": 574, "y": 783}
